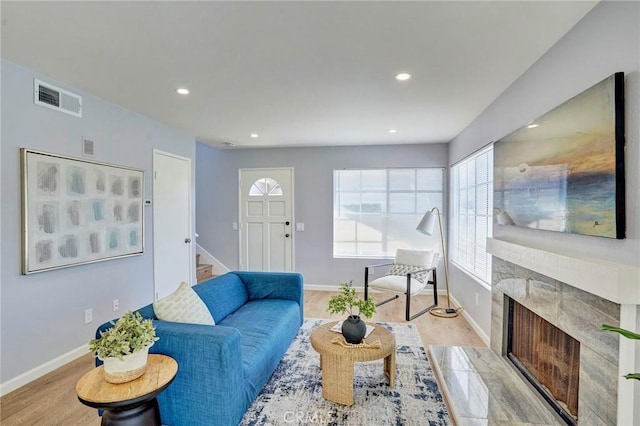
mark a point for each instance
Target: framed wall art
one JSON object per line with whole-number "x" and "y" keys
{"x": 76, "y": 211}
{"x": 564, "y": 171}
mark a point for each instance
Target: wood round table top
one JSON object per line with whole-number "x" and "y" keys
{"x": 93, "y": 388}
{"x": 322, "y": 341}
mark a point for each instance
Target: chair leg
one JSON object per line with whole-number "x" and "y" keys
{"x": 408, "y": 315}
{"x": 366, "y": 283}
{"x": 387, "y": 301}
{"x": 435, "y": 288}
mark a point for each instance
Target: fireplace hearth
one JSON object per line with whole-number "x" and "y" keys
{"x": 576, "y": 295}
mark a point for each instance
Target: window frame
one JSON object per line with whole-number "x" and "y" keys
{"x": 386, "y": 210}
{"x": 456, "y": 254}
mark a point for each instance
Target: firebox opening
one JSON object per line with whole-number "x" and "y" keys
{"x": 548, "y": 357}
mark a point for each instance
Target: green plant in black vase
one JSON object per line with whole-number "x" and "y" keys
{"x": 353, "y": 328}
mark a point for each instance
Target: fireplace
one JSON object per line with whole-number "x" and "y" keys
{"x": 576, "y": 296}
{"x": 548, "y": 357}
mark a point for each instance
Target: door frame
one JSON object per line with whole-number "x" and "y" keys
{"x": 156, "y": 231}
{"x": 293, "y": 211}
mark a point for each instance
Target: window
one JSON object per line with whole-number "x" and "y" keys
{"x": 265, "y": 186}
{"x": 471, "y": 213}
{"x": 376, "y": 211}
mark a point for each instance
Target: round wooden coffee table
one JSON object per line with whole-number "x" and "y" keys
{"x": 337, "y": 361}
{"x": 131, "y": 403}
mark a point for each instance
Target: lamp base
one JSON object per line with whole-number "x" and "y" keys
{"x": 444, "y": 312}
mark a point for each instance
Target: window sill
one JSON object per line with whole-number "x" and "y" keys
{"x": 335, "y": 256}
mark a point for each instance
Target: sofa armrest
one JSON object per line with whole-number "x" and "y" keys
{"x": 210, "y": 374}
{"x": 274, "y": 285}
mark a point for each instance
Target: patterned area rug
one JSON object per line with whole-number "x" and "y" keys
{"x": 293, "y": 395}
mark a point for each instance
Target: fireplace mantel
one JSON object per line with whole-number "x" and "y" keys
{"x": 615, "y": 282}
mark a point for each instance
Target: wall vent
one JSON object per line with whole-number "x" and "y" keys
{"x": 88, "y": 147}
{"x": 50, "y": 96}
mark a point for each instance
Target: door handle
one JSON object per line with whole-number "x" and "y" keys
{"x": 286, "y": 235}
{"x": 287, "y": 223}
{"x": 187, "y": 240}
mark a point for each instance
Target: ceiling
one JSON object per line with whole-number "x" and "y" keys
{"x": 304, "y": 73}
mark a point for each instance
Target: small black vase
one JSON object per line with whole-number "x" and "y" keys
{"x": 353, "y": 329}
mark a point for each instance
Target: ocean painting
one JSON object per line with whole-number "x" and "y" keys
{"x": 564, "y": 171}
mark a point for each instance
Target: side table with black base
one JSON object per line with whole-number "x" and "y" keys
{"x": 133, "y": 403}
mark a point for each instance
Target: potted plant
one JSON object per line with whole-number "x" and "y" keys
{"x": 124, "y": 347}
{"x": 628, "y": 334}
{"x": 353, "y": 328}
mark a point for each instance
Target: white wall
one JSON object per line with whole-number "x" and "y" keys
{"x": 607, "y": 40}
{"x": 42, "y": 315}
{"x": 217, "y": 199}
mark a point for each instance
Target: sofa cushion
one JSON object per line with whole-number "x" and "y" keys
{"x": 222, "y": 295}
{"x": 183, "y": 305}
{"x": 267, "y": 328}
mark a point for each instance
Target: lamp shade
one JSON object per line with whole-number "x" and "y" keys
{"x": 427, "y": 223}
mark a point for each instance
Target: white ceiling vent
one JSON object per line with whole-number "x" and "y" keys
{"x": 50, "y": 96}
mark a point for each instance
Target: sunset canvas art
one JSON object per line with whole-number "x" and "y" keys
{"x": 564, "y": 171}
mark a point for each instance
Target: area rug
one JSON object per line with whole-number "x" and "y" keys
{"x": 293, "y": 395}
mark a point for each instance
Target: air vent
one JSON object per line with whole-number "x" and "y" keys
{"x": 50, "y": 96}
{"x": 88, "y": 147}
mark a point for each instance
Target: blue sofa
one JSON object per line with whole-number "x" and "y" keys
{"x": 222, "y": 368}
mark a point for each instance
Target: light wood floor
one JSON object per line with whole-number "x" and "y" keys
{"x": 51, "y": 400}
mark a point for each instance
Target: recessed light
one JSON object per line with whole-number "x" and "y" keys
{"x": 393, "y": 131}
{"x": 533, "y": 126}
{"x": 254, "y": 135}
{"x": 228, "y": 143}
{"x": 182, "y": 91}
{"x": 403, "y": 76}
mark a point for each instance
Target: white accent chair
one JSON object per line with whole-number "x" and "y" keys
{"x": 410, "y": 273}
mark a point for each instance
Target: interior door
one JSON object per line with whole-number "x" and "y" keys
{"x": 172, "y": 248}
{"x": 266, "y": 219}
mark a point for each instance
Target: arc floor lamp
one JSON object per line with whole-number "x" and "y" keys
{"x": 426, "y": 226}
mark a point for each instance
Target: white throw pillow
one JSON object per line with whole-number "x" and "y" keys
{"x": 183, "y": 305}
{"x": 414, "y": 257}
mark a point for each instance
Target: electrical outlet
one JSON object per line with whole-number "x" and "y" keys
{"x": 372, "y": 271}
{"x": 477, "y": 299}
{"x": 88, "y": 315}
{"x": 116, "y": 305}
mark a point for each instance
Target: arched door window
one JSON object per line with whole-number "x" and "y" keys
{"x": 265, "y": 186}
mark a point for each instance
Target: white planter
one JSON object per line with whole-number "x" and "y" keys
{"x": 127, "y": 369}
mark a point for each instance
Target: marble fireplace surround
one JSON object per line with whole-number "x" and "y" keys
{"x": 577, "y": 295}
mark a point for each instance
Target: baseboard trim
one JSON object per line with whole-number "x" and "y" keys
{"x": 483, "y": 336}
{"x": 317, "y": 287}
{"x": 39, "y": 371}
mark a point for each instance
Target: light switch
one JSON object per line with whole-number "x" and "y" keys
{"x": 235, "y": 226}
{"x": 299, "y": 226}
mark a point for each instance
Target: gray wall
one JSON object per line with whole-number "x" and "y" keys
{"x": 217, "y": 199}
{"x": 607, "y": 40}
{"x": 43, "y": 314}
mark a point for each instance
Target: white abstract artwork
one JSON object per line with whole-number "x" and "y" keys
{"x": 77, "y": 211}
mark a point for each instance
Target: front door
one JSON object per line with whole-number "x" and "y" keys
{"x": 172, "y": 248}
{"x": 266, "y": 219}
